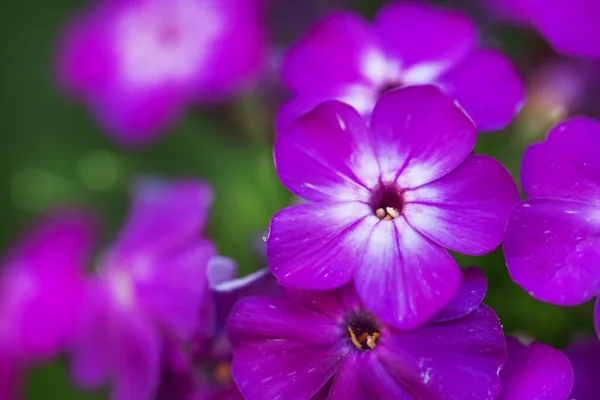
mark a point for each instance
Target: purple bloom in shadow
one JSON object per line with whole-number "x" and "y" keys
{"x": 571, "y": 26}
{"x": 41, "y": 291}
{"x": 149, "y": 288}
{"x": 385, "y": 201}
{"x": 347, "y": 58}
{"x": 585, "y": 357}
{"x": 294, "y": 347}
{"x": 205, "y": 374}
{"x": 552, "y": 241}
{"x": 138, "y": 63}
{"x": 535, "y": 372}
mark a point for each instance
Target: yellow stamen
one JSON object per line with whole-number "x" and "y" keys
{"x": 392, "y": 212}
{"x": 353, "y": 339}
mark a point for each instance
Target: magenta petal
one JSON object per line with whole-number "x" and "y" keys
{"x": 41, "y": 286}
{"x": 174, "y": 289}
{"x": 137, "y": 360}
{"x": 405, "y": 278}
{"x": 552, "y": 249}
{"x": 282, "y": 349}
{"x": 489, "y": 88}
{"x": 163, "y": 215}
{"x": 585, "y": 358}
{"x": 571, "y": 26}
{"x": 348, "y": 383}
{"x": 567, "y": 164}
{"x": 227, "y": 293}
{"x": 436, "y": 361}
{"x": 466, "y": 210}
{"x": 137, "y": 117}
{"x": 318, "y": 245}
{"x": 470, "y": 295}
{"x": 535, "y": 371}
{"x": 332, "y": 54}
{"x": 418, "y": 33}
{"x": 327, "y": 154}
{"x": 420, "y": 135}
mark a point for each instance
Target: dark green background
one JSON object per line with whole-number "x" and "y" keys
{"x": 51, "y": 152}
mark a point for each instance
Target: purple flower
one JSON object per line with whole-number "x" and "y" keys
{"x": 535, "y": 371}
{"x": 585, "y": 357}
{"x": 138, "y": 63}
{"x": 385, "y": 201}
{"x": 347, "y": 58}
{"x": 149, "y": 288}
{"x": 41, "y": 289}
{"x": 328, "y": 343}
{"x": 571, "y": 26}
{"x": 206, "y": 374}
{"x": 551, "y": 246}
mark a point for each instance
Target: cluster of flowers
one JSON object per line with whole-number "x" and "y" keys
{"x": 361, "y": 298}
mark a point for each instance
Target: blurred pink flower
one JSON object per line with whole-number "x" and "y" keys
{"x": 138, "y": 63}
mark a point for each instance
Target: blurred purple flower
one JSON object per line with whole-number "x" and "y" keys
{"x": 41, "y": 291}
{"x": 345, "y": 57}
{"x": 559, "y": 89}
{"x": 571, "y": 26}
{"x": 535, "y": 371}
{"x": 312, "y": 342}
{"x": 585, "y": 357}
{"x": 205, "y": 374}
{"x": 552, "y": 247}
{"x": 150, "y": 285}
{"x": 385, "y": 202}
{"x": 138, "y": 63}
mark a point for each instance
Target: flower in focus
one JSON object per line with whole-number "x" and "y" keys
{"x": 535, "y": 371}
{"x": 41, "y": 289}
{"x": 345, "y": 57}
{"x": 585, "y": 357}
{"x": 328, "y": 343}
{"x": 137, "y": 63}
{"x": 551, "y": 245}
{"x": 385, "y": 200}
{"x": 571, "y": 26}
{"x": 206, "y": 373}
{"x": 149, "y": 288}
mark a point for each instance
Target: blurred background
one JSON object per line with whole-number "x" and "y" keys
{"x": 53, "y": 152}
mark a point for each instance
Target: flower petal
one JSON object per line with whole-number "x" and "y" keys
{"x": 571, "y": 26}
{"x": 567, "y": 164}
{"x": 405, "y": 278}
{"x": 318, "y": 245}
{"x": 488, "y": 86}
{"x": 420, "y": 135}
{"x": 174, "y": 288}
{"x": 458, "y": 359}
{"x": 552, "y": 249}
{"x": 466, "y": 210}
{"x": 137, "y": 360}
{"x": 536, "y": 371}
{"x": 416, "y": 34}
{"x": 327, "y": 154}
{"x": 282, "y": 350}
{"x": 163, "y": 214}
{"x": 470, "y": 295}
{"x": 348, "y": 383}
{"x": 585, "y": 357}
{"x": 332, "y": 54}
{"x": 41, "y": 286}
{"x": 227, "y": 293}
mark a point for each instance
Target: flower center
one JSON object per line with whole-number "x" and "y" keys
{"x": 387, "y": 201}
{"x": 363, "y": 331}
